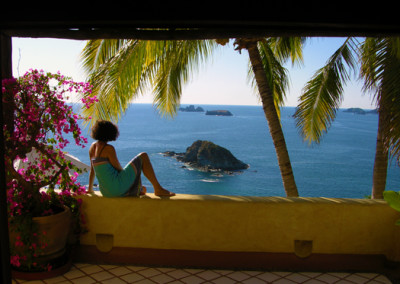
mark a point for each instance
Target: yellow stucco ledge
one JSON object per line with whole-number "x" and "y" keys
{"x": 302, "y": 226}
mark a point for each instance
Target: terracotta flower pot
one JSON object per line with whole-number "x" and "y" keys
{"x": 56, "y": 228}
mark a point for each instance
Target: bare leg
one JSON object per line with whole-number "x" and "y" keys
{"x": 143, "y": 191}
{"x": 148, "y": 172}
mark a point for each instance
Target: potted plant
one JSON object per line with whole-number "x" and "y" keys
{"x": 42, "y": 195}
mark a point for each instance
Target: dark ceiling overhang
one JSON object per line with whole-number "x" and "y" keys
{"x": 243, "y": 20}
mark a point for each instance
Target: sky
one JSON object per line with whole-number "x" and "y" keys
{"x": 221, "y": 81}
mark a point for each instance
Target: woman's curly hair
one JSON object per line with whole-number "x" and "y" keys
{"x": 105, "y": 131}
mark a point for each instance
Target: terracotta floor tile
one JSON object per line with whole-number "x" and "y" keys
{"x": 150, "y": 272}
{"x": 238, "y": 276}
{"x": 314, "y": 281}
{"x": 192, "y": 279}
{"x": 145, "y": 281}
{"x": 83, "y": 280}
{"x": 281, "y": 273}
{"x": 132, "y": 277}
{"x": 118, "y": 271}
{"x": 55, "y": 280}
{"x": 208, "y": 275}
{"x": 253, "y": 280}
{"x": 136, "y": 268}
{"x": 223, "y": 271}
{"x": 162, "y": 278}
{"x": 223, "y": 280}
{"x": 356, "y": 279}
{"x": 311, "y": 274}
{"x": 108, "y": 266}
{"x": 91, "y": 269}
{"x": 165, "y": 269}
{"x": 327, "y": 278}
{"x": 113, "y": 281}
{"x": 268, "y": 276}
{"x": 367, "y": 275}
{"x": 194, "y": 270}
{"x": 74, "y": 273}
{"x": 284, "y": 281}
{"x": 82, "y": 273}
{"x": 382, "y": 279}
{"x": 340, "y": 275}
{"x": 297, "y": 278}
{"x": 252, "y": 273}
{"x": 102, "y": 275}
{"x": 178, "y": 274}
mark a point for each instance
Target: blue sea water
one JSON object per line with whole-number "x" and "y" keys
{"x": 340, "y": 166}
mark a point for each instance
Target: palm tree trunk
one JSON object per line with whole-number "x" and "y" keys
{"x": 381, "y": 161}
{"x": 274, "y": 124}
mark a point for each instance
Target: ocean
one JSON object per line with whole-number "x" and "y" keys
{"x": 340, "y": 166}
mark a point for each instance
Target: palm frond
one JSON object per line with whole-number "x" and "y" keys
{"x": 180, "y": 61}
{"x": 97, "y": 52}
{"x": 117, "y": 80}
{"x": 288, "y": 47}
{"x": 381, "y": 64}
{"x": 121, "y": 70}
{"x": 323, "y": 94}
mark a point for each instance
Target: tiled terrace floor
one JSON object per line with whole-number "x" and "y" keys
{"x": 82, "y": 273}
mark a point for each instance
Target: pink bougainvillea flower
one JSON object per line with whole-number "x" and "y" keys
{"x": 41, "y": 118}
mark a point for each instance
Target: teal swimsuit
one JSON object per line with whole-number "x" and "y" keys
{"x": 113, "y": 183}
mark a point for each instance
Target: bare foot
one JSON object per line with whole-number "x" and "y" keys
{"x": 163, "y": 192}
{"x": 143, "y": 191}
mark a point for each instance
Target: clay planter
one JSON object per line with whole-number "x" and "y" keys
{"x": 57, "y": 231}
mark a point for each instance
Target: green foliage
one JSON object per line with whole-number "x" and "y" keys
{"x": 393, "y": 199}
{"x": 121, "y": 70}
{"x": 378, "y": 63}
{"x": 380, "y": 68}
{"x": 324, "y": 92}
{"x": 38, "y": 120}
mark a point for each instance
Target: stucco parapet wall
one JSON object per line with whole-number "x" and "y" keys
{"x": 243, "y": 224}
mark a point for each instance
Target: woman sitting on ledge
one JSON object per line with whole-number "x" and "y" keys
{"x": 114, "y": 180}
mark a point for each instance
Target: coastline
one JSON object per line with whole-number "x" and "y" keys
{"x": 340, "y": 166}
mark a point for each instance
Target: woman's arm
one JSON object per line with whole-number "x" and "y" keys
{"x": 92, "y": 173}
{"x": 91, "y": 179}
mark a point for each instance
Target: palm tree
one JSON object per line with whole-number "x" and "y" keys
{"x": 379, "y": 64}
{"x": 120, "y": 69}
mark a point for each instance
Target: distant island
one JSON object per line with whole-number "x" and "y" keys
{"x": 360, "y": 111}
{"x": 219, "y": 112}
{"x": 191, "y": 108}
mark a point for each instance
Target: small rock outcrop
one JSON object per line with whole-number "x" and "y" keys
{"x": 355, "y": 110}
{"x": 191, "y": 108}
{"x": 207, "y": 156}
{"x": 360, "y": 111}
{"x": 219, "y": 112}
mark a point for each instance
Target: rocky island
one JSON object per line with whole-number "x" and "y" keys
{"x": 360, "y": 111}
{"x": 207, "y": 156}
{"x": 219, "y": 112}
{"x": 191, "y": 108}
